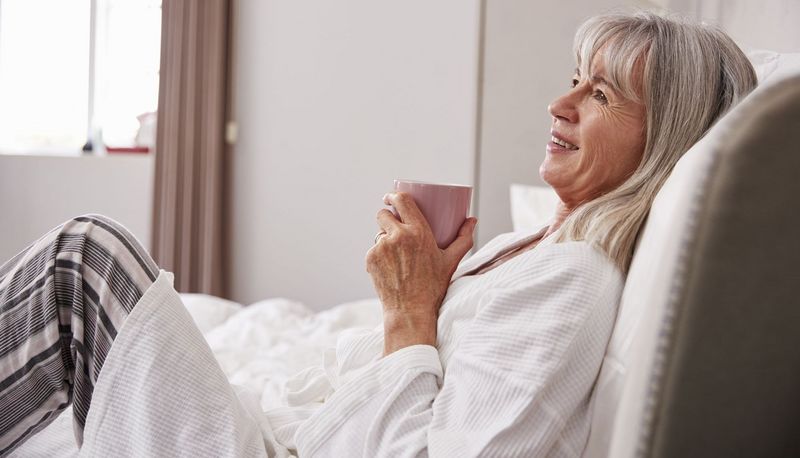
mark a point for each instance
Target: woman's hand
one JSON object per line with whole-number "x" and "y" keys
{"x": 410, "y": 273}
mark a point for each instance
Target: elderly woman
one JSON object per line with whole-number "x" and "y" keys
{"x": 496, "y": 355}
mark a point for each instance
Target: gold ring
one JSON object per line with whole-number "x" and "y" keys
{"x": 378, "y": 236}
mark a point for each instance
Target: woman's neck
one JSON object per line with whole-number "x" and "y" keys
{"x": 562, "y": 212}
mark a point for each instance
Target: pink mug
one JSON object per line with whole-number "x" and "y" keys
{"x": 444, "y": 206}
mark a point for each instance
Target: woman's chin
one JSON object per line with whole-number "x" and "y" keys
{"x": 549, "y": 173}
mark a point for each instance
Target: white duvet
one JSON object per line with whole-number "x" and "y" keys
{"x": 262, "y": 345}
{"x": 259, "y": 347}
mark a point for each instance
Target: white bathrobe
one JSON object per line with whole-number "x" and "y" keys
{"x": 517, "y": 355}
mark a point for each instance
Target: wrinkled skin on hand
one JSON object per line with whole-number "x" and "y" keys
{"x": 410, "y": 273}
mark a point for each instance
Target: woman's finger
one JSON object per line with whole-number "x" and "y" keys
{"x": 459, "y": 247}
{"x": 386, "y": 220}
{"x": 406, "y": 208}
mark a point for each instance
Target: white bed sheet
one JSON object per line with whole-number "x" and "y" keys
{"x": 264, "y": 344}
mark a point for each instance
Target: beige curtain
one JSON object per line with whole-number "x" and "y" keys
{"x": 190, "y": 146}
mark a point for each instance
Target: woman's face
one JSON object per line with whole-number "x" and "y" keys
{"x": 597, "y": 138}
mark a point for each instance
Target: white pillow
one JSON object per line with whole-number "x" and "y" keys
{"x": 532, "y": 207}
{"x": 208, "y": 311}
{"x": 772, "y": 66}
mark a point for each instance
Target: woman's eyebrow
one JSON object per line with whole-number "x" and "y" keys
{"x": 600, "y": 79}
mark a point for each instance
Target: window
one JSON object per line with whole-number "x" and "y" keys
{"x": 78, "y": 70}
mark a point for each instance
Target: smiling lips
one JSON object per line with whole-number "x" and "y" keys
{"x": 563, "y": 143}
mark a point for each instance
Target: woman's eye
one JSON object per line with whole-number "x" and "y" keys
{"x": 600, "y": 96}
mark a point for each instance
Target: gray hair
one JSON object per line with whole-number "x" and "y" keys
{"x": 691, "y": 75}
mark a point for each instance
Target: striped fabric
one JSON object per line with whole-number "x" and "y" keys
{"x": 62, "y": 301}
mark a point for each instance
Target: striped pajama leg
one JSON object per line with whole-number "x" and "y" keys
{"x": 62, "y": 301}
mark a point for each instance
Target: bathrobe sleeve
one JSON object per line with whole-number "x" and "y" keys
{"x": 524, "y": 368}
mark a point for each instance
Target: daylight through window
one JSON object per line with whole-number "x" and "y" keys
{"x": 77, "y": 72}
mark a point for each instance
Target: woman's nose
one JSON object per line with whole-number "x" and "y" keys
{"x": 564, "y": 108}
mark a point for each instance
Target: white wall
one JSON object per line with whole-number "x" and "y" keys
{"x": 333, "y": 101}
{"x": 764, "y": 24}
{"x": 38, "y": 192}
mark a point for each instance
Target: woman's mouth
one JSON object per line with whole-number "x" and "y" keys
{"x": 563, "y": 143}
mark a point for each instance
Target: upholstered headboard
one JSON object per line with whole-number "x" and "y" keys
{"x": 727, "y": 379}
{"x": 703, "y": 359}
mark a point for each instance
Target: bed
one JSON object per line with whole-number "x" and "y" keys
{"x": 647, "y": 375}
{"x": 259, "y": 347}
